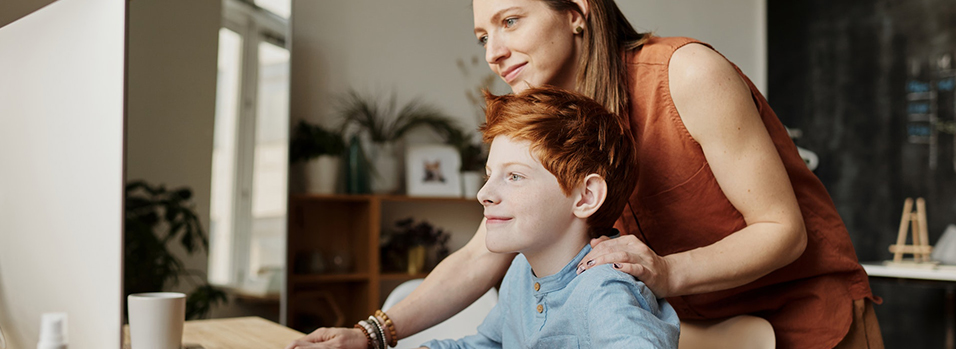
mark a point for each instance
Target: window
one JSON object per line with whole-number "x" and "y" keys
{"x": 250, "y": 152}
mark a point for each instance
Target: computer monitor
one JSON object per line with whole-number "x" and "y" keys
{"x": 61, "y": 171}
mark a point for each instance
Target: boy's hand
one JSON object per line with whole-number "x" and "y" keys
{"x": 343, "y": 338}
{"x": 630, "y": 255}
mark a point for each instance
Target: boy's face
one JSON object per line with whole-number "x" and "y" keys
{"x": 525, "y": 208}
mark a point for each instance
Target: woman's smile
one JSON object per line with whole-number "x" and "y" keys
{"x": 512, "y": 72}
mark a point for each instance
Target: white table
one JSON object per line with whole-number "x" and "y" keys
{"x": 945, "y": 275}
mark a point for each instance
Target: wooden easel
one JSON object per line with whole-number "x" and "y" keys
{"x": 920, "y": 249}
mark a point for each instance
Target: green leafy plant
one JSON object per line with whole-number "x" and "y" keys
{"x": 407, "y": 234}
{"x": 311, "y": 141}
{"x": 156, "y": 218}
{"x": 388, "y": 123}
{"x": 473, "y": 153}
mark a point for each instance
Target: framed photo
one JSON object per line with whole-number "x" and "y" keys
{"x": 432, "y": 170}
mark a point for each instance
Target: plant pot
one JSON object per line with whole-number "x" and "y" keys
{"x": 322, "y": 174}
{"x": 416, "y": 259}
{"x": 386, "y": 173}
{"x": 471, "y": 182}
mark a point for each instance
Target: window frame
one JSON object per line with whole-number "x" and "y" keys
{"x": 254, "y": 25}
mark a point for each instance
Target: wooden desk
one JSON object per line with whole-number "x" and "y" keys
{"x": 235, "y": 333}
{"x": 943, "y": 275}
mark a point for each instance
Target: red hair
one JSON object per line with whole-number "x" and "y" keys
{"x": 573, "y": 136}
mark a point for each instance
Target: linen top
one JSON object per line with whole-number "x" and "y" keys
{"x": 601, "y": 308}
{"x": 678, "y": 206}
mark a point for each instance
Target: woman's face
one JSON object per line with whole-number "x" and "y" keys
{"x": 528, "y": 44}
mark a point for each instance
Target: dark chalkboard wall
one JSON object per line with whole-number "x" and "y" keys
{"x": 853, "y": 76}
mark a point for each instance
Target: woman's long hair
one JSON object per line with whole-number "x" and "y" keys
{"x": 602, "y": 72}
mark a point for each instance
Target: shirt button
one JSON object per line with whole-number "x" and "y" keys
{"x": 537, "y": 286}
{"x": 540, "y": 308}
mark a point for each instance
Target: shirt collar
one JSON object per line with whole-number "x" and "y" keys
{"x": 560, "y": 279}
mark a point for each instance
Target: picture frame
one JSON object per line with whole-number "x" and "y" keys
{"x": 432, "y": 170}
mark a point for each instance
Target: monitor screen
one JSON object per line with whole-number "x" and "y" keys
{"x": 61, "y": 171}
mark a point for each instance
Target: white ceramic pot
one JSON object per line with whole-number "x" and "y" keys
{"x": 471, "y": 182}
{"x": 322, "y": 174}
{"x": 386, "y": 171}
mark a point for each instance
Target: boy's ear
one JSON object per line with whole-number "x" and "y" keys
{"x": 592, "y": 194}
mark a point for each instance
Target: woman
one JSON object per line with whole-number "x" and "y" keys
{"x": 725, "y": 220}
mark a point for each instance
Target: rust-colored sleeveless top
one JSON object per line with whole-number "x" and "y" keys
{"x": 678, "y": 206}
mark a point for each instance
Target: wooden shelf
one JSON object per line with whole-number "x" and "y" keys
{"x": 393, "y": 198}
{"x": 269, "y": 298}
{"x": 328, "y": 224}
{"x": 402, "y": 276}
{"x": 319, "y": 278}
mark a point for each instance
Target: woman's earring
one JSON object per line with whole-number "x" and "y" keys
{"x": 578, "y": 30}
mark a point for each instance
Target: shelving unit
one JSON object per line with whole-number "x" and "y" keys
{"x": 325, "y": 225}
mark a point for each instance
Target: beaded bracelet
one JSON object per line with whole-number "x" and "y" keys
{"x": 368, "y": 337}
{"x": 374, "y": 321}
{"x": 393, "y": 340}
{"x": 373, "y": 342}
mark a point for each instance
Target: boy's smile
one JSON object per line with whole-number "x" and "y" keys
{"x": 525, "y": 209}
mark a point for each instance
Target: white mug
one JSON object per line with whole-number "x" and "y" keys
{"x": 156, "y": 320}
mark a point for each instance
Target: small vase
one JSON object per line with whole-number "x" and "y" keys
{"x": 356, "y": 173}
{"x": 416, "y": 259}
{"x": 322, "y": 174}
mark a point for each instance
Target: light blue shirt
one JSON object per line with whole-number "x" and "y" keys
{"x": 601, "y": 308}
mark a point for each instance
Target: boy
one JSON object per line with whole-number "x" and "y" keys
{"x": 559, "y": 172}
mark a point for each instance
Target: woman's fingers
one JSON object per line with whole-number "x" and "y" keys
{"x": 299, "y": 344}
{"x": 605, "y": 251}
{"x": 595, "y": 242}
{"x": 634, "y": 269}
{"x": 629, "y": 255}
{"x": 331, "y": 338}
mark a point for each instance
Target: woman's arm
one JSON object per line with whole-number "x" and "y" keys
{"x": 718, "y": 111}
{"x": 454, "y": 284}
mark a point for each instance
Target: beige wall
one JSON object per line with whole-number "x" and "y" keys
{"x": 736, "y": 28}
{"x": 412, "y": 46}
{"x": 61, "y": 150}
{"x": 173, "y": 50}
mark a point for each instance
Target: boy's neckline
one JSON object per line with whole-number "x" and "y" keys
{"x": 558, "y": 280}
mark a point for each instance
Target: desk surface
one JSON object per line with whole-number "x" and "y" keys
{"x": 940, "y": 273}
{"x": 235, "y": 333}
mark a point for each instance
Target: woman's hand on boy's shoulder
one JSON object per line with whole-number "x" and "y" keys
{"x": 630, "y": 255}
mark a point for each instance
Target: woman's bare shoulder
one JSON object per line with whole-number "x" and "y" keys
{"x": 707, "y": 89}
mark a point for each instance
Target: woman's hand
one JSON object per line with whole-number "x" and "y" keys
{"x": 331, "y": 338}
{"x": 630, "y": 255}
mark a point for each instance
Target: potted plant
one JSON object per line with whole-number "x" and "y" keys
{"x": 473, "y": 152}
{"x": 155, "y": 219}
{"x": 320, "y": 149}
{"x": 409, "y": 243}
{"x": 473, "y": 155}
{"x": 384, "y": 125}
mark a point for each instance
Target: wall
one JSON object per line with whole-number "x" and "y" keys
{"x": 412, "y": 47}
{"x": 61, "y": 182}
{"x": 11, "y": 10}
{"x": 736, "y": 28}
{"x": 173, "y": 50}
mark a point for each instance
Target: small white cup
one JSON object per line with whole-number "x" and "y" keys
{"x": 156, "y": 320}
